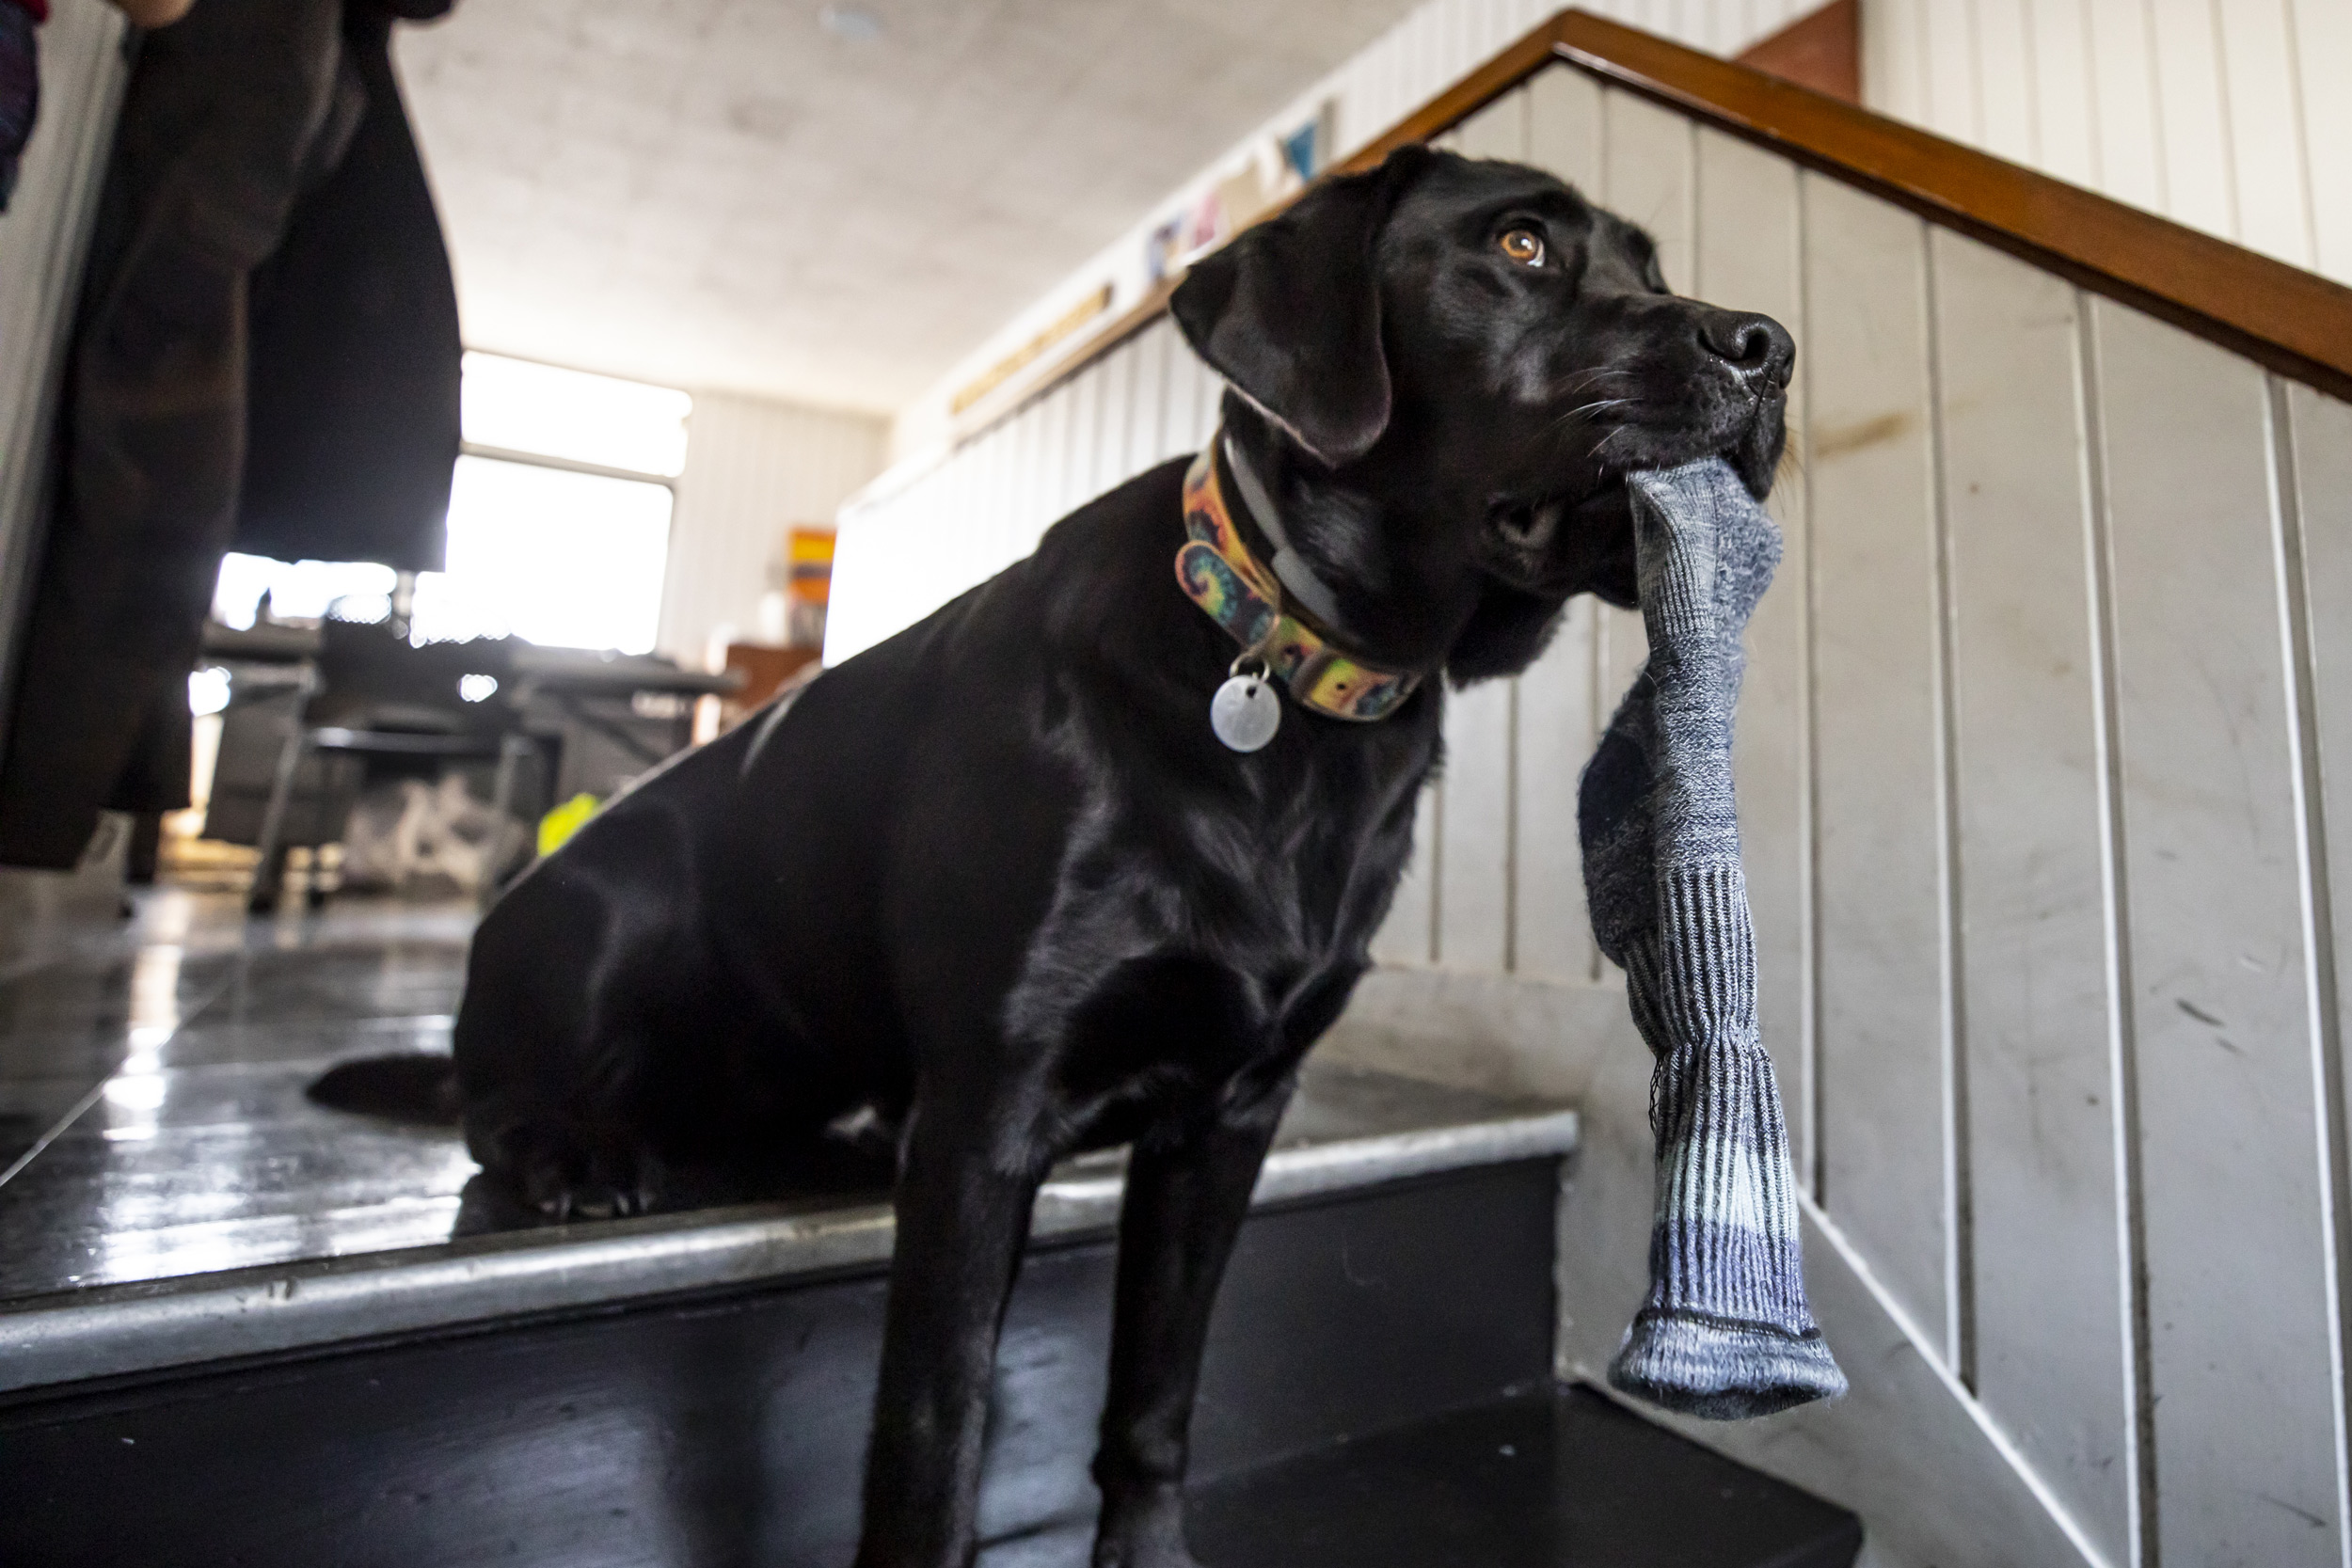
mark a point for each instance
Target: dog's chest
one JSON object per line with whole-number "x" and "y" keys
{"x": 1274, "y": 880}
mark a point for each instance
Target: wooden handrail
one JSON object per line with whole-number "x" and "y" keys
{"x": 2296, "y": 322}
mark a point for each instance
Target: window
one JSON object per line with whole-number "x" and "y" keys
{"x": 562, "y": 558}
{"x": 559, "y": 520}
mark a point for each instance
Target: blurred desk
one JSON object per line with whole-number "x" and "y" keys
{"x": 607, "y": 718}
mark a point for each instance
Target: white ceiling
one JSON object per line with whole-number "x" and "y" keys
{"x": 726, "y": 193}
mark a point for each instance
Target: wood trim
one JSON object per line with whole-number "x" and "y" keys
{"x": 2296, "y": 322}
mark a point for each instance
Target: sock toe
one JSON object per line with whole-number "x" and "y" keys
{"x": 1722, "y": 1372}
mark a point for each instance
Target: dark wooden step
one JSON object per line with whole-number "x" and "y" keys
{"x": 1553, "y": 1478}
{"x": 726, "y": 1428}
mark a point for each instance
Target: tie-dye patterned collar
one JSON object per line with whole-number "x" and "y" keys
{"x": 1217, "y": 573}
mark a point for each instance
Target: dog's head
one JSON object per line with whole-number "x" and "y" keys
{"x": 1456, "y": 362}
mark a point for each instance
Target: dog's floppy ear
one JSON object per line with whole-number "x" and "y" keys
{"x": 1289, "y": 313}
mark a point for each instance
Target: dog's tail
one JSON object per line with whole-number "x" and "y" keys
{"x": 414, "y": 1086}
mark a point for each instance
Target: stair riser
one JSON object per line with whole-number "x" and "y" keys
{"x": 731, "y": 1429}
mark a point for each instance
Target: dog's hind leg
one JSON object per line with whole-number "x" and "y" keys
{"x": 1187, "y": 1192}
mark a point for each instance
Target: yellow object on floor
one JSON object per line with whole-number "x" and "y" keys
{"x": 565, "y": 820}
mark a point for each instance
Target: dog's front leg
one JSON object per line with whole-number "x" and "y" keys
{"x": 1186, "y": 1197}
{"x": 962, "y": 1220}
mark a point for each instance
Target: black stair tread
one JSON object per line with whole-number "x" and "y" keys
{"x": 1559, "y": 1478}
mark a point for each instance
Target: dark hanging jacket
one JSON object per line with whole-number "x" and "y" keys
{"x": 351, "y": 398}
{"x": 236, "y": 131}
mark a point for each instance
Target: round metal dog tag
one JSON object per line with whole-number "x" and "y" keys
{"x": 1246, "y": 712}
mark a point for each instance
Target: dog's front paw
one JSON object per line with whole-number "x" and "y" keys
{"x": 585, "y": 1176}
{"x": 1146, "y": 1531}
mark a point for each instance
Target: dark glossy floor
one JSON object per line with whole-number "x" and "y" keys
{"x": 152, "y": 1116}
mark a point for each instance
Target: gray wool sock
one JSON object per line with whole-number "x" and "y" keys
{"x": 1726, "y": 1332}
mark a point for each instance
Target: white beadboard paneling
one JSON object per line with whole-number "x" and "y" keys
{"x": 991, "y": 479}
{"x": 2239, "y": 1319}
{"x": 1181, "y": 429}
{"x": 1474, "y": 873}
{"x": 2227, "y": 115}
{"x": 1647, "y": 177}
{"x": 1148, "y": 396}
{"x": 2193, "y": 123}
{"x": 1622, "y": 648}
{"x": 2048, "y": 1276}
{"x": 1001, "y": 465}
{"x": 1552, "y": 934}
{"x": 2008, "y": 108}
{"x": 2130, "y": 145}
{"x": 1643, "y": 172}
{"x": 2323, "y": 36}
{"x": 1564, "y": 127}
{"x": 1027, "y": 518}
{"x": 2259, "y": 87}
{"x": 1205, "y": 415}
{"x": 1749, "y": 258}
{"x": 2320, "y": 445}
{"x": 1053, "y": 453}
{"x": 1410, "y": 934}
{"x": 1950, "y": 103}
{"x": 1893, "y": 58}
{"x": 1120, "y": 461}
{"x": 1880, "y": 907}
{"x": 1085, "y": 437}
{"x": 754, "y": 468}
{"x": 2059, "y": 37}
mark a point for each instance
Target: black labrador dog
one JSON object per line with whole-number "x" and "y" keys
{"x": 997, "y": 881}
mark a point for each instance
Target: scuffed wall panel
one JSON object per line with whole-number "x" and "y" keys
{"x": 2236, "y": 1198}
{"x": 1884, "y": 1134}
{"x": 2046, "y": 1269}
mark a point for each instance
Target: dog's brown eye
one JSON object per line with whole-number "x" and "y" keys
{"x": 1523, "y": 245}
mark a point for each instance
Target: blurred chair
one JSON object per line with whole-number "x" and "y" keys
{"x": 314, "y": 715}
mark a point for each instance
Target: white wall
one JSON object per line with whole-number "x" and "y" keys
{"x": 44, "y": 236}
{"x": 754, "y": 468}
{"x": 2230, "y": 115}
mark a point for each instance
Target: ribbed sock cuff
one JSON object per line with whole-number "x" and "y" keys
{"x": 1720, "y": 1370}
{"x": 1727, "y": 1332}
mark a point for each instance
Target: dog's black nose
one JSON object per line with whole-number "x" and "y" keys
{"x": 1758, "y": 347}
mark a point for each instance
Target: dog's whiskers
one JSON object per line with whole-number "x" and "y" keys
{"x": 1584, "y": 380}
{"x": 1588, "y": 408}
